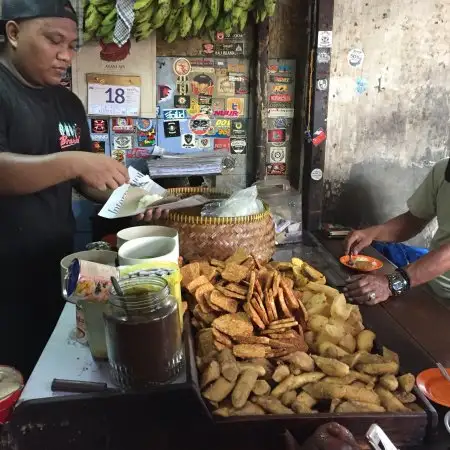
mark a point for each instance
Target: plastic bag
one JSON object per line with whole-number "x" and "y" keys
{"x": 244, "y": 202}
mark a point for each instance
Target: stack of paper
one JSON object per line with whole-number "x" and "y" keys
{"x": 179, "y": 165}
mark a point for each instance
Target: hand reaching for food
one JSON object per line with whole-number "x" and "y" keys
{"x": 331, "y": 436}
{"x": 358, "y": 240}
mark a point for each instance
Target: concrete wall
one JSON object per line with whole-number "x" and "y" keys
{"x": 382, "y": 142}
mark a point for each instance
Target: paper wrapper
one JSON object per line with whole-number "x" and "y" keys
{"x": 124, "y": 201}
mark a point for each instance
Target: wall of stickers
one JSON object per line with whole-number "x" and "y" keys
{"x": 280, "y": 101}
{"x": 203, "y": 105}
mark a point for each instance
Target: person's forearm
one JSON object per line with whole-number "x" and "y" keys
{"x": 94, "y": 195}
{"x": 27, "y": 174}
{"x": 399, "y": 229}
{"x": 430, "y": 266}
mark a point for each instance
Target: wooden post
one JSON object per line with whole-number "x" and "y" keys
{"x": 260, "y": 98}
{"x": 317, "y": 110}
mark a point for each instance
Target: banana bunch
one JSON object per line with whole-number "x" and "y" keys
{"x": 176, "y": 18}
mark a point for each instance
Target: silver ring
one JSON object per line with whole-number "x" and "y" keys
{"x": 372, "y": 296}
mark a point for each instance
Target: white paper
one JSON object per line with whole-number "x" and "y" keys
{"x": 124, "y": 201}
{"x": 107, "y": 100}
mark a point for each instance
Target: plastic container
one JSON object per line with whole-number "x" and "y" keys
{"x": 143, "y": 334}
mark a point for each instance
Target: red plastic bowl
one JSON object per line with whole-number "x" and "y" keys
{"x": 8, "y": 402}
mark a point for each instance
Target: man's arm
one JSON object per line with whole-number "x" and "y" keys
{"x": 94, "y": 195}
{"x": 400, "y": 228}
{"x": 430, "y": 266}
{"x": 24, "y": 174}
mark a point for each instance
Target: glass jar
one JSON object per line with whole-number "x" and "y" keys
{"x": 143, "y": 333}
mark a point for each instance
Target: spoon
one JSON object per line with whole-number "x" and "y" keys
{"x": 117, "y": 287}
{"x": 443, "y": 371}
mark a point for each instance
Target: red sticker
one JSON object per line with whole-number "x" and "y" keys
{"x": 222, "y": 144}
{"x": 319, "y": 137}
{"x": 278, "y": 135}
{"x": 276, "y": 169}
{"x": 280, "y": 98}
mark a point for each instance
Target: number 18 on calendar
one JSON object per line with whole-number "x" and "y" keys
{"x": 114, "y": 100}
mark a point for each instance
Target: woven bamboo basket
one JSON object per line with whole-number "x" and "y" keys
{"x": 219, "y": 237}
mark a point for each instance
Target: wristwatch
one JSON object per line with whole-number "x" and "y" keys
{"x": 399, "y": 282}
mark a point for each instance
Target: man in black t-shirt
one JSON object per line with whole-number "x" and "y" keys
{"x": 44, "y": 152}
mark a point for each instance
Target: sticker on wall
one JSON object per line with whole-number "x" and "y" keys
{"x": 281, "y": 112}
{"x": 218, "y": 104}
{"x": 123, "y": 125}
{"x": 174, "y": 114}
{"x": 280, "y": 100}
{"x": 172, "y": 129}
{"x": 280, "y": 89}
{"x": 227, "y": 113}
{"x": 238, "y": 129}
{"x": 204, "y": 99}
{"x": 222, "y": 128}
{"x": 144, "y": 124}
{"x": 221, "y": 144}
{"x": 100, "y": 137}
{"x": 187, "y": 140}
{"x": 118, "y": 155}
{"x": 194, "y": 108}
{"x": 182, "y": 101}
{"x": 99, "y": 126}
{"x": 225, "y": 86}
{"x": 165, "y": 93}
{"x": 355, "y": 57}
{"x": 324, "y": 56}
{"x": 203, "y": 142}
{"x": 220, "y": 64}
{"x": 146, "y": 138}
{"x": 277, "y": 136}
{"x": 277, "y": 155}
{"x": 208, "y": 48}
{"x": 98, "y": 146}
{"x": 280, "y": 122}
{"x": 236, "y": 104}
{"x": 221, "y": 36}
{"x": 325, "y": 39}
{"x": 282, "y": 68}
{"x": 138, "y": 153}
{"x": 229, "y": 163}
{"x": 276, "y": 169}
{"x": 238, "y": 146}
{"x": 200, "y": 124}
{"x": 361, "y": 85}
{"x": 232, "y": 50}
{"x": 316, "y": 174}
{"x": 322, "y": 84}
{"x": 182, "y": 67}
{"x": 280, "y": 79}
{"x": 123, "y": 142}
{"x": 241, "y": 86}
{"x": 203, "y": 65}
{"x": 318, "y": 137}
{"x": 182, "y": 85}
{"x": 202, "y": 84}
{"x": 206, "y": 109}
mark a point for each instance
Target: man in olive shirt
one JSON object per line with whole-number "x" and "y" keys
{"x": 431, "y": 200}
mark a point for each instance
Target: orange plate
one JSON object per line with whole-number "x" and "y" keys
{"x": 435, "y": 386}
{"x": 376, "y": 263}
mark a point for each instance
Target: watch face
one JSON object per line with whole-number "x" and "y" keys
{"x": 397, "y": 285}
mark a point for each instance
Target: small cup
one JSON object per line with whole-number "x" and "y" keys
{"x": 145, "y": 249}
{"x": 131, "y": 233}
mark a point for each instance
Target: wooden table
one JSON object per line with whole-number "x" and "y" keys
{"x": 416, "y": 325}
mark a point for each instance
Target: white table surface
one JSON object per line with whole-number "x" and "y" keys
{"x": 64, "y": 358}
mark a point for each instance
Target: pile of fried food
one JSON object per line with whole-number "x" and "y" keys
{"x": 275, "y": 339}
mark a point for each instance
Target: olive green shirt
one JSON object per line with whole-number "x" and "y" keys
{"x": 432, "y": 199}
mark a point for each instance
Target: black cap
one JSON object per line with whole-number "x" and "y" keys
{"x": 32, "y": 9}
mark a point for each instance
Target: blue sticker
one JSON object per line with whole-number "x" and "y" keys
{"x": 175, "y": 114}
{"x": 280, "y": 123}
{"x": 361, "y": 85}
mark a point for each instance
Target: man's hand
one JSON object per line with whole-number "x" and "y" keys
{"x": 331, "y": 436}
{"x": 153, "y": 214}
{"x": 98, "y": 171}
{"x": 367, "y": 289}
{"x": 358, "y": 240}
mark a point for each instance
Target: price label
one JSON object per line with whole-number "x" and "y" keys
{"x": 113, "y": 100}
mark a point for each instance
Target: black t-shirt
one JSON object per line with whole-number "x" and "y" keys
{"x": 36, "y": 230}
